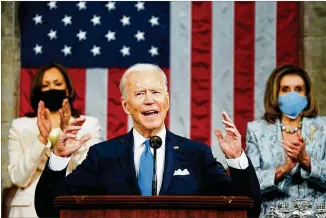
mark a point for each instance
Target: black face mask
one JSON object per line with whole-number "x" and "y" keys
{"x": 53, "y": 98}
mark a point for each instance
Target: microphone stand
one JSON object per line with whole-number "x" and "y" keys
{"x": 155, "y": 142}
{"x": 154, "y": 180}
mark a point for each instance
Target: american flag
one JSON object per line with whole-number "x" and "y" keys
{"x": 217, "y": 56}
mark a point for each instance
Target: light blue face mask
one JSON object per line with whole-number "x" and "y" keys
{"x": 292, "y": 104}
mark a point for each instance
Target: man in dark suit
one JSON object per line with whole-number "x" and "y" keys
{"x": 123, "y": 165}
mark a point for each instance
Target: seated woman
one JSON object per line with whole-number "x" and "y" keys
{"x": 31, "y": 137}
{"x": 288, "y": 146}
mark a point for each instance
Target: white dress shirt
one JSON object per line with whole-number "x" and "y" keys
{"x": 139, "y": 147}
{"x": 59, "y": 163}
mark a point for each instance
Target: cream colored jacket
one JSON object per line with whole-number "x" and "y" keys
{"x": 28, "y": 156}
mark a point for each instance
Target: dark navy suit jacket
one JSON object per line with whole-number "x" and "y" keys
{"x": 109, "y": 170}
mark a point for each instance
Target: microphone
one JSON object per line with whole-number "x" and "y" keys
{"x": 155, "y": 142}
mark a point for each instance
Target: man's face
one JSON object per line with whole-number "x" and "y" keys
{"x": 147, "y": 101}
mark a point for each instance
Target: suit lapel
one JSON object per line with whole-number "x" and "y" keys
{"x": 172, "y": 157}
{"x": 128, "y": 167}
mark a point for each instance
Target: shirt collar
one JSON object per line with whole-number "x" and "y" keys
{"x": 139, "y": 139}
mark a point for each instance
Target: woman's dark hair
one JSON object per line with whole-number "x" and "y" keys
{"x": 37, "y": 86}
{"x": 272, "y": 110}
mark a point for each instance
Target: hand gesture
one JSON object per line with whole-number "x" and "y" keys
{"x": 230, "y": 144}
{"x": 68, "y": 143}
{"x": 43, "y": 123}
{"x": 287, "y": 167}
{"x": 289, "y": 164}
{"x": 296, "y": 150}
{"x": 65, "y": 114}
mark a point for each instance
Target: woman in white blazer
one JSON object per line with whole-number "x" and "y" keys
{"x": 32, "y": 137}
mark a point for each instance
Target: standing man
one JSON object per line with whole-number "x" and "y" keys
{"x": 122, "y": 166}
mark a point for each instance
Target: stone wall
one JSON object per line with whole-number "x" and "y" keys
{"x": 10, "y": 68}
{"x": 313, "y": 56}
{"x": 314, "y": 48}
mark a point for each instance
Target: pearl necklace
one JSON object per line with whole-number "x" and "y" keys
{"x": 291, "y": 131}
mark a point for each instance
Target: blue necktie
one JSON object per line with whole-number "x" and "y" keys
{"x": 145, "y": 174}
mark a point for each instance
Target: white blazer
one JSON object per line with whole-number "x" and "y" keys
{"x": 28, "y": 156}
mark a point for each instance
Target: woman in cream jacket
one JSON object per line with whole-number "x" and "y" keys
{"x": 32, "y": 137}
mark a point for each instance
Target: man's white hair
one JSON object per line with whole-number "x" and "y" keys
{"x": 140, "y": 67}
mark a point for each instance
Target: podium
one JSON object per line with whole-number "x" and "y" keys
{"x": 153, "y": 206}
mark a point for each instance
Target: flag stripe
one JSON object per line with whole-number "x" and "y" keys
{"x": 265, "y": 50}
{"x": 201, "y": 71}
{"x": 26, "y": 78}
{"x": 222, "y": 68}
{"x": 180, "y": 58}
{"x": 288, "y": 32}
{"x": 244, "y": 51}
{"x": 117, "y": 122}
{"x": 78, "y": 77}
{"x": 97, "y": 84}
